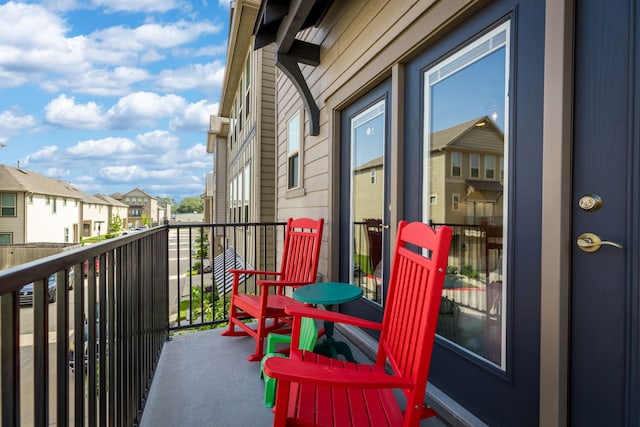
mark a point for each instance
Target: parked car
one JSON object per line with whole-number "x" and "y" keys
{"x": 26, "y": 293}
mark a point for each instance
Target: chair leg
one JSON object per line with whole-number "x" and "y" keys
{"x": 231, "y": 329}
{"x": 259, "y": 354}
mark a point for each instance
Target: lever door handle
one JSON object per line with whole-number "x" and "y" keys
{"x": 589, "y": 242}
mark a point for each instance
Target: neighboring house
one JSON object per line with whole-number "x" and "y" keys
{"x": 34, "y": 208}
{"x": 116, "y": 208}
{"x": 95, "y": 216}
{"x": 141, "y": 204}
{"x": 551, "y": 338}
{"x": 467, "y": 174}
{"x": 242, "y": 135}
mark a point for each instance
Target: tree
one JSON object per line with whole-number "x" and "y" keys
{"x": 116, "y": 224}
{"x": 190, "y": 205}
{"x": 146, "y": 220}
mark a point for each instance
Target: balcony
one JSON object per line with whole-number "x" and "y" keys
{"x": 148, "y": 352}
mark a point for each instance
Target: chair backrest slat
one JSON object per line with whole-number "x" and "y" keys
{"x": 303, "y": 238}
{"x": 413, "y": 301}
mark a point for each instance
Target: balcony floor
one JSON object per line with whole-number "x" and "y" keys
{"x": 203, "y": 379}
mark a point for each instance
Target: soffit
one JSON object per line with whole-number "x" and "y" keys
{"x": 240, "y": 33}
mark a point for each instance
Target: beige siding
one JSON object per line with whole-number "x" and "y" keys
{"x": 360, "y": 43}
{"x": 15, "y": 224}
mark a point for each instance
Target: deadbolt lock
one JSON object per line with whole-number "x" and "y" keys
{"x": 590, "y": 202}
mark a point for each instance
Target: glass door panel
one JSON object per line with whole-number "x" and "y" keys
{"x": 368, "y": 200}
{"x": 465, "y": 127}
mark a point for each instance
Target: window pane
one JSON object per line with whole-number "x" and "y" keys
{"x": 293, "y": 135}
{"x": 466, "y": 109}
{"x": 367, "y": 200}
{"x": 293, "y": 171}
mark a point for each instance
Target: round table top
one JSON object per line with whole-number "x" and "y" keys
{"x": 327, "y": 293}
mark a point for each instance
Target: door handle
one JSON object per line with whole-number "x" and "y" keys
{"x": 589, "y": 242}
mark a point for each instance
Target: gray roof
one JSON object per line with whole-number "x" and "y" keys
{"x": 371, "y": 164}
{"x": 110, "y": 200}
{"x": 26, "y": 181}
{"x": 446, "y": 137}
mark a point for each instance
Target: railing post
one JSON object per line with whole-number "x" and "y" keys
{"x": 10, "y": 359}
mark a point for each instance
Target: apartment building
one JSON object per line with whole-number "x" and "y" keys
{"x": 544, "y": 174}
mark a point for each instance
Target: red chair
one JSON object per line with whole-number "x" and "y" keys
{"x": 315, "y": 390}
{"x": 301, "y": 252}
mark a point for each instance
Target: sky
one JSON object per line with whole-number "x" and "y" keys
{"x": 112, "y": 95}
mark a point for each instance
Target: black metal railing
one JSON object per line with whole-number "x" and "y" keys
{"x": 199, "y": 259}
{"x": 110, "y": 325}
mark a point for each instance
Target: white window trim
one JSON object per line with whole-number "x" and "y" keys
{"x": 298, "y": 190}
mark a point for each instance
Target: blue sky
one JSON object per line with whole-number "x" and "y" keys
{"x": 111, "y": 95}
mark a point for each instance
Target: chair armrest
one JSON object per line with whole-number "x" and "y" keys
{"x": 253, "y": 272}
{"x": 325, "y": 375}
{"x": 331, "y": 316}
{"x": 282, "y": 283}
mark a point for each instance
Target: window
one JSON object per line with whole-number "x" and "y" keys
{"x": 6, "y": 238}
{"x": 433, "y": 200}
{"x": 474, "y": 165}
{"x": 54, "y": 209}
{"x": 372, "y": 180}
{"x": 64, "y": 201}
{"x": 455, "y": 202}
{"x": 239, "y": 198}
{"x": 501, "y": 168}
{"x": 232, "y": 126}
{"x": 66, "y": 235}
{"x": 239, "y": 102}
{"x": 448, "y": 107}
{"x": 146, "y": 201}
{"x": 490, "y": 167}
{"x": 47, "y": 200}
{"x": 247, "y": 86}
{"x": 30, "y": 198}
{"x": 293, "y": 156}
{"x": 231, "y": 201}
{"x": 456, "y": 164}
{"x": 247, "y": 191}
{"x": 8, "y": 204}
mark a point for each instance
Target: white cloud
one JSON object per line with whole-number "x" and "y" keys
{"x": 143, "y": 108}
{"x": 136, "y": 173}
{"x": 205, "y": 77}
{"x": 10, "y": 121}
{"x": 139, "y": 5}
{"x": 149, "y": 36}
{"x": 116, "y": 82}
{"x": 57, "y": 172}
{"x": 26, "y": 51}
{"x": 158, "y": 140}
{"x": 63, "y": 111}
{"x": 133, "y": 111}
{"x": 102, "y": 147}
{"x": 194, "y": 117}
{"x": 46, "y": 153}
{"x": 52, "y": 59}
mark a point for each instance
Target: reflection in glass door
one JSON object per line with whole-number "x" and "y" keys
{"x": 367, "y": 200}
{"x": 464, "y": 186}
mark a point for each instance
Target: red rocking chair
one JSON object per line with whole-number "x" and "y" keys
{"x": 315, "y": 390}
{"x": 299, "y": 267}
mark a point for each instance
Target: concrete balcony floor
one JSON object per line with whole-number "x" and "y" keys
{"x": 204, "y": 379}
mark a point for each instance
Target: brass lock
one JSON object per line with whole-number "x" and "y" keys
{"x": 589, "y": 242}
{"x": 590, "y": 202}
